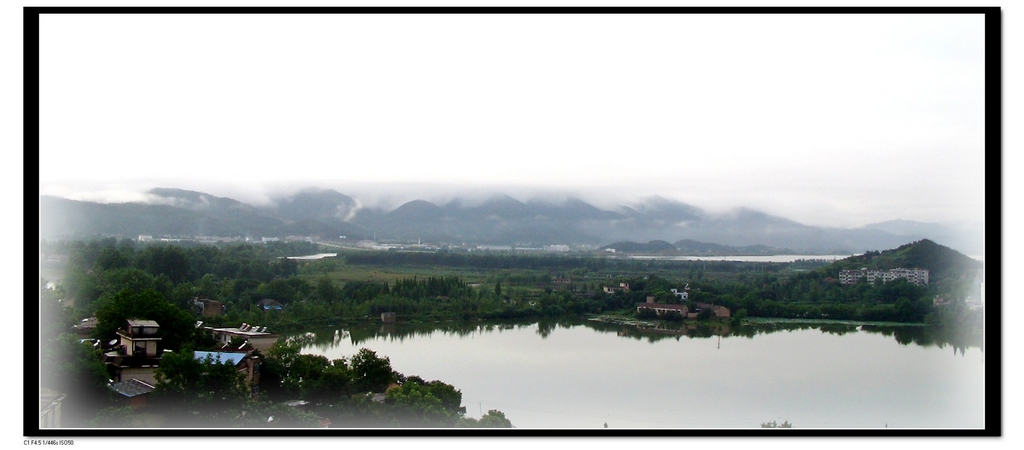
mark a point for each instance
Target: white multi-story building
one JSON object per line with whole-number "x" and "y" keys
{"x": 915, "y": 276}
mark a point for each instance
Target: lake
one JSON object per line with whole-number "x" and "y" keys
{"x": 314, "y": 257}
{"x": 584, "y": 374}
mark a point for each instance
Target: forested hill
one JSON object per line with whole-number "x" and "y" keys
{"x": 942, "y": 262}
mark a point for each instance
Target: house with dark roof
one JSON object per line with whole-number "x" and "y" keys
{"x": 209, "y": 308}
{"x": 267, "y": 304}
{"x": 84, "y": 328}
{"x": 133, "y": 392}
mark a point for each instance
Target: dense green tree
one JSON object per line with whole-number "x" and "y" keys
{"x": 326, "y": 291}
{"x": 81, "y": 289}
{"x": 54, "y": 317}
{"x": 335, "y": 382}
{"x": 74, "y": 368}
{"x": 177, "y": 327}
{"x": 168, "y": 260}
{"x": 112, "y": 258}
{"x": 204, "y": 388}
{"x": 706, "y": 314}
{"x": 370, "y": 372}
{"x": 496, "y": 419}
{"x": 431, "y": 404}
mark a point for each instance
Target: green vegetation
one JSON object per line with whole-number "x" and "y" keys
{"x": 359, "y": 286}
{"x": 361, "y": 391}
{"x": 441, "y": 286}
{"x": 117, "y": 280}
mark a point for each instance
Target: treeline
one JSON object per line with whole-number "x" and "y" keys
{"x": 101, "y": 268}
{"x": 240, "y": 276}
{"x": 817, "y": 295}
{"x": 482, "y": 261}
{"x": 553, "y": 262}
{"x": 170, "y": 278}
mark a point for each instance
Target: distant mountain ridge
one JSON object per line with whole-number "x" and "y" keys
{"x": 499, "y": 220}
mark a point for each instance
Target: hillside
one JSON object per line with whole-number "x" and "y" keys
{"x": 943, "y": 263}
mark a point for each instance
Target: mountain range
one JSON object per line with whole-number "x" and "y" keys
{"x": 499, "y": 220}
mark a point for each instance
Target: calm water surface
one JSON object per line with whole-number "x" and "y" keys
{"x": 584, "y": 374}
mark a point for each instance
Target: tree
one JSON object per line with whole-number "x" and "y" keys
{"x": 326, "y": 291}
{"x": 166, "y": 260}
{"x": 665, "y": 297}
{"x": 335, "y": 382}
{"x": 496, "y": 419}
{"x": 110, "y": 258}
{"x": 426, "y": 404}
{"x": 207, "y": 387}
{"x": 371, "y": 373}
{"x": 177, "y": 327}
{"x": 74, "y": 368}
{"x": 706, "y": 314}
{"x": 54, "y": 318}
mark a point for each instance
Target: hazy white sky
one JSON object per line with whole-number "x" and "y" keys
{"x": 837, "y": 120}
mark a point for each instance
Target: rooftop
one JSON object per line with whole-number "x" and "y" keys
{"x": 661, "y": 306}
{"x": 132, "y": 387}
{"x": 142, "y": 323}
{"x": 240, "y": 332}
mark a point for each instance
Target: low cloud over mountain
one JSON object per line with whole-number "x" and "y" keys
{"x": 498, "y": 220}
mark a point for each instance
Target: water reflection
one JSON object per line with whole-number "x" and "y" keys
{"x": 925, "y": 336}
{"x": 576, "y": 372}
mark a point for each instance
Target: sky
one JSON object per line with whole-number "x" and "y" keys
{"x": 829, "y": 120}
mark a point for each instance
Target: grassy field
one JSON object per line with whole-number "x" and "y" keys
{"x": 345, "y": 273}
{"x": 531, "y": 279}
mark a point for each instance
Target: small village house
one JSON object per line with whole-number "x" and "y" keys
{"x": 254, "y": 335}
{"x": 209, "y": 308}
{"x": 138, "y": 352}
{"x": 661, "y": 308}
{"x": 267, "y": 304}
